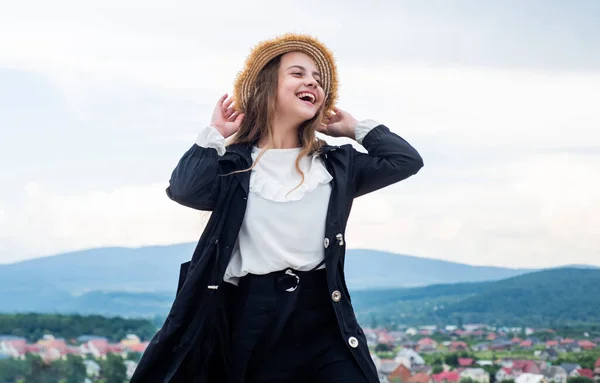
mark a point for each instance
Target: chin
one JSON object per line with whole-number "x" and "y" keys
{"x": 306, "y": 115}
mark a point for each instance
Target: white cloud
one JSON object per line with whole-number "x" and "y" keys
{"x": 541, "y": 210}
{"x": 503, "y": 182}
{"x": 127, "y": 216}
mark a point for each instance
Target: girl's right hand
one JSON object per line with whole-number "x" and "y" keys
{"x": 225, "y": 119}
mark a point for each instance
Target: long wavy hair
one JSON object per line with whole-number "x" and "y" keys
{"x": 259, "y": 114}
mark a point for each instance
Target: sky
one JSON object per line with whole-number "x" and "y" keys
{"x": 99, "y": 100}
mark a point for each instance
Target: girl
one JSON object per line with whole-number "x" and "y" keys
{"x": 264, "y": 297}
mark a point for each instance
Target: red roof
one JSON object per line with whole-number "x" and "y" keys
{"x": 420, "y": 377}
{"x": 526, "y": 343}
{"x": 516, "y": 340}
{"x": 552, "y": 343}
{"x": 115, "y": 348}
{"x": 587, "y": 344}
{"x": 401, "y": 372}
{"x": 508, "y": 370}
{"x": 426, "y": 342}
{"x": 586, "y": 372}
{"x": 33, "y": 348}
{"x": 567, "y": 341}
{"x": 465, "y": 362}
{"x": 448, "y": 376}
{"x": 140, "y": 347}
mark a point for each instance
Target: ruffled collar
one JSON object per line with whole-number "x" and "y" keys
{"x": 273, "y": 178}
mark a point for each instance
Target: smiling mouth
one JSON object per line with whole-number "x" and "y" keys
{"x": 307, "y": 97}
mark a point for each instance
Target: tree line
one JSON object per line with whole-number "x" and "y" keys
{"x": 33, "y": 326}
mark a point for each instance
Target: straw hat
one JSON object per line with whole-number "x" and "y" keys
{"x": 266, "y": 50}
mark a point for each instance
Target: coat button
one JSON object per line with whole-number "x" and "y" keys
{"x": 336, "y": 296}
{"x": 353, "y": 342}
{"x": 340, "y": 238}
{"x": 326, "y": 242}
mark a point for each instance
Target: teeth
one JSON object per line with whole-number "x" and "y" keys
{"x": 305, "y": 94}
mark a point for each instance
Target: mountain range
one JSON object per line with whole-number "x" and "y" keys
{"x": 142, "y": 281}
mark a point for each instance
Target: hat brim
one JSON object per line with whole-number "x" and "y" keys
{"x": 267, "y": 50}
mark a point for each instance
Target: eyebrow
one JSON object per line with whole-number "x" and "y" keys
{"x": 303, "y": 69}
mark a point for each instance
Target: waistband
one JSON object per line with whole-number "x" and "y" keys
{"x": 287, "y": 281}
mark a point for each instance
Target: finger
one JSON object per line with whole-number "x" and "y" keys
{"x": 238, "y": 119}
{"x": 220, "y": 102}
{"x": 233, "y": 116}
{"x": 335, "y": 118}
{"x": 226, "y": 104}
{"x": 229, "y": 112}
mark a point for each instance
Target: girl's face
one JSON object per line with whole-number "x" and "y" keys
{"x": 299, "y": 91}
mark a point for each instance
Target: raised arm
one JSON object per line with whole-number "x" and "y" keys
{"x": 390, "y": 159}
{"x": 195, "y": 182}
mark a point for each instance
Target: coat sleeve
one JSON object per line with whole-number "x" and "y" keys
{"x": 390, "y": 159}
{"x": 196, "y": 180}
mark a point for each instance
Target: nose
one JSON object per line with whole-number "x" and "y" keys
{"x": 311, "y": 82}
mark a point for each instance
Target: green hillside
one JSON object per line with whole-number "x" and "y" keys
{"x": 555, "y": 297}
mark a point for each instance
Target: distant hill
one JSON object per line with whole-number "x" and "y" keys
{"x": 562, "y": 296}
{"x": 106, "y": 280}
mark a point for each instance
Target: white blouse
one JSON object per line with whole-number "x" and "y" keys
{"x": 284, "y": 223}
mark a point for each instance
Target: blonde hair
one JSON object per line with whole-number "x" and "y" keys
{"x": 258, "y": 119}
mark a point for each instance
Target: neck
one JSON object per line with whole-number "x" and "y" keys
{"x": 285, "y": 135}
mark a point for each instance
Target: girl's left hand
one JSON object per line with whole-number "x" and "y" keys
{"x": 339, "y": 124}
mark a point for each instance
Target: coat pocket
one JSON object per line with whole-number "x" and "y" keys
{"x": 183, "y": 271}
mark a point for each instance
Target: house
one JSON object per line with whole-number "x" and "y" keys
{"x": 511, "y": 369}
{"x": 571, "y": 369}
{"x": 586, "y": 373}
{"x": 465, "y": 362}
{"x": 130, "y": 339}
{"x": 549, "y": 354}
{"x": 139, "y": 347}
{"x": 411, "y": 356}
{"x": 458, "y": 346}
{"x": 411, "y": 331}
{"x": 586, "y": 345}
{"x": 475, "y": 374}
{"x": 420, "y": 377}
{"x": 387, "y": 366}
{"x": 13, "y": 346}
{"x": 371, "y": 336}
{"x": 397, "y": 336}
{"x": 501, "y": 344}
{"x": 446, "y": 377}
{"x": 401, "y": 374}
{"x": 51, "y": 348}
{"x": 597, "y": 368}
{"x": 526, "y": 344}
{"x": 130, "y": 366}
{"x": 555, "y": 374}
{"x": 481, "y": 347}
{"x": 92, "y": 369}
{"x": 505, "y": 373}
{"x": 385, "y": 338}
{"x": 531, "y": 378}
{"x": 427, "y": 342}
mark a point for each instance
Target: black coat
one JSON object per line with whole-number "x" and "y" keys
{"x": 201, "y": 181}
